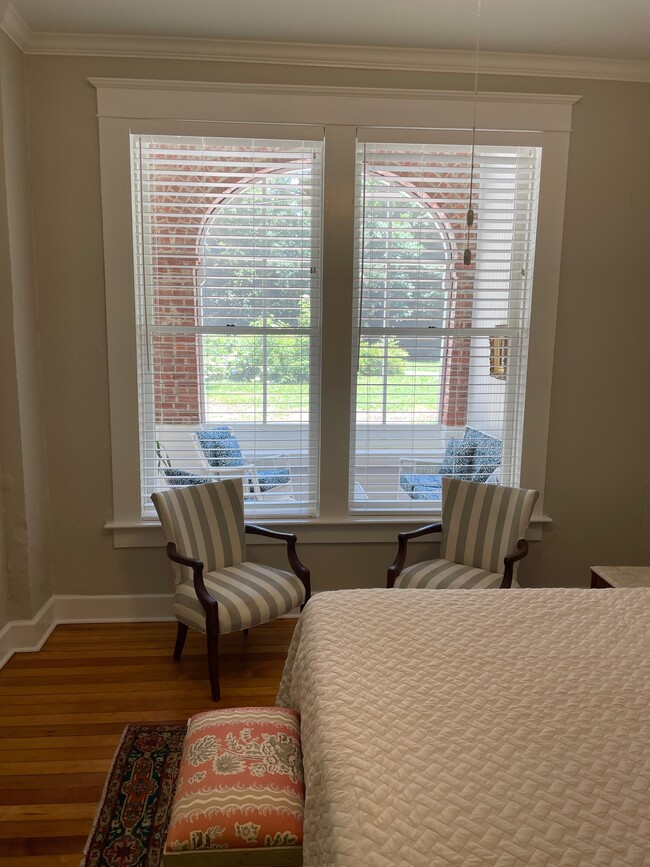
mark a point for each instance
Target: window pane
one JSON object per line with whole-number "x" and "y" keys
{"x": 441, "y": 347}
{"x": 227, "y": 246}
{"x": 255, "y": 256}
{"x": 398, "y": 380}
{"x": 260, "y": 378}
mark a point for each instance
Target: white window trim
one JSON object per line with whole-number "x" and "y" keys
{"x": 126, "y": 106}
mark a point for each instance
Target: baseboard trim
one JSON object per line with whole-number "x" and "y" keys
{"x": 19, "y": 636}
{"x": 114, "y": 609}
{"x": 27, "y": 636}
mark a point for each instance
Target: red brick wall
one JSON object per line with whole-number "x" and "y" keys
{"x": 177, "y": 230}
{"x": 454, "y": 389}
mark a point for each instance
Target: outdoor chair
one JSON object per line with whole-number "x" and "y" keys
{"x": 222, "y": 453}
{"x": 475, "y": 458}
{"x": 218, "y": 590}
{"x": 483, "y": 528}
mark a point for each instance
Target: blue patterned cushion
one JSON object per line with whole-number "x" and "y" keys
{"x": 487, "y": 453}
{"x": 221, "y": 447}
{"x": 273, "y": 478}
{"x": 457, "y": 461}
{"x": 421, "y": 486}
{"x": 428, "y": 492}
{"x": 182, "y": 477}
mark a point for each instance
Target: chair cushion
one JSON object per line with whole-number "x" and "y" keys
{"x": 240, "y": 784}
{"x": 457, "y": 461}
{"x": 485, "y": 472}
{"x": 444, "y": 574}
{"x": 248, "y": 594}
{"x": 182, "y": 477}
{"x": 221, "y": 447}
{"x": 486, "y": 454}
{"x": 268, "y": 479}
{"x": 421, "y": 486}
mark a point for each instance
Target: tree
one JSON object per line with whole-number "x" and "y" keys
{"x": 248, "y": 357}
{"x": 374, "y": 354}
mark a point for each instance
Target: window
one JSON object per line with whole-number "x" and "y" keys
{"x": 227, "y": 276}
{"x": 282, "y": 267}
{"x": 427, "y": 321}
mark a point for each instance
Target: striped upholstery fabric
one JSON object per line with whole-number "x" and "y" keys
{"x": 248, "y": 594}
{"x": 205, "y": 522}
{"x": 482, "y": 523}
{"x": 441, "y": 574}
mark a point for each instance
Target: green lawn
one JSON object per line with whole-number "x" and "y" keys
{"x": 402, "y": 393}
{"x": 290, "y": 401}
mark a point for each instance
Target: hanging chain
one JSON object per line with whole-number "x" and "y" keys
{"x": 467, "y": 256}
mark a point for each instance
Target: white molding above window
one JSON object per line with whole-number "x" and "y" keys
{"x": 311, "y": 54}
{"x": 105, "y": 83}
{"x": 349, "y": 106}
{"x": 128, "y": 106}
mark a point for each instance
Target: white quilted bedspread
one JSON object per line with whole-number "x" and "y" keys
{"x": 474, "y": 727}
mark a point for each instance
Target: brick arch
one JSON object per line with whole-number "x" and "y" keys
{"x": 177, "y": 388}
{"x": 455, "y": 374}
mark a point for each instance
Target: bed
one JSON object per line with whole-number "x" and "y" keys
{"x": 474, "y": 727}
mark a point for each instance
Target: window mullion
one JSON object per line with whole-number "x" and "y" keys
{"x": 338, "y": 279}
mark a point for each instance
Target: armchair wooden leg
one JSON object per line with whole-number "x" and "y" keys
{"x": 181, "y": 635}
{"x": 213, "y": 660}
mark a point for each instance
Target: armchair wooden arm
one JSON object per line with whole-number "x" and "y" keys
{"x": 208, "y": 602}
{"x": 510, "y": 560}
{"x": 299, "y": 568}
{"x": 402, "y": 541}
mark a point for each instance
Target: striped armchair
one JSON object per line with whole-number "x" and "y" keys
{"x": 483, "y": 528}
{"x": 218, "y": 590}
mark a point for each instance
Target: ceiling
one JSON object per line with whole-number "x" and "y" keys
{"x": 616, "y": 29}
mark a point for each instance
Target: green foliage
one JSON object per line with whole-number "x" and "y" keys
{"x": 374, "y": 354}
{"x": 254, "y": 254}
{"x": 257, "y": 275}
{"x": 163, "y": 457}
{"x": 256, "y": 357}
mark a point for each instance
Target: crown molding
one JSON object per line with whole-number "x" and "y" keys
{"x": 311, "y": 54}
{"x": 15, "y": 27}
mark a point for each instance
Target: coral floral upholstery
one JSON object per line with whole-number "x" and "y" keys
{"x": 240, "y": 784}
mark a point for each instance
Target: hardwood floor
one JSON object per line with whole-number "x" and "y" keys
{"x": 63, "y": 709}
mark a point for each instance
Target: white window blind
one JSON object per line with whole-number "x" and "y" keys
{"x": 227, "y": 239}
{"x": 440, "y": 347}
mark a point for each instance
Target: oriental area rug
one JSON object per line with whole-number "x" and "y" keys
{"x": 133, "y": 815}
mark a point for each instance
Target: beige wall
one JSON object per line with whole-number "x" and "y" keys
{"x": 25, "y": 571}
{"x": 7, "y": 365}
{"x": 599, "y": 446}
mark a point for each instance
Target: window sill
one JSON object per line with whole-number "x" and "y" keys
{"x": 352, "y": 530}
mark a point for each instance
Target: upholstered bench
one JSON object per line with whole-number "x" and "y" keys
{"x": 240, "y": 794}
